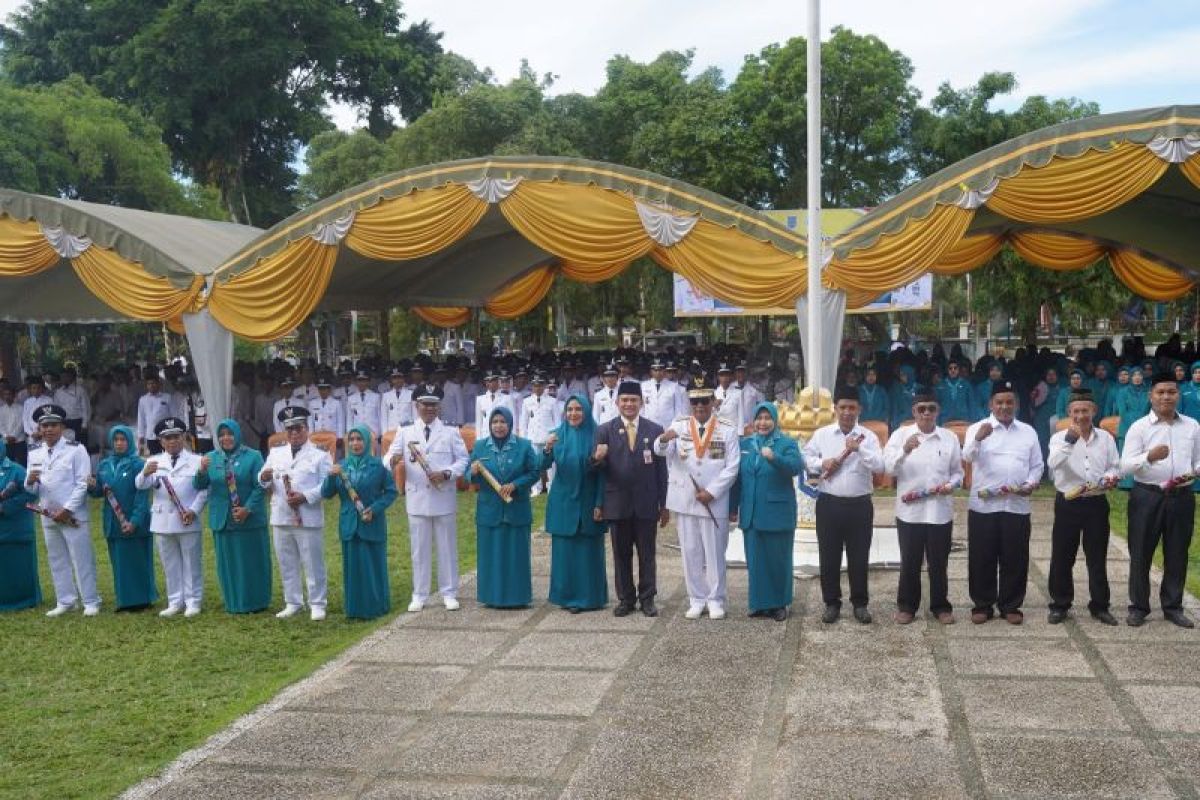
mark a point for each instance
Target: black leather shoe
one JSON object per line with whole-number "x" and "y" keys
{"x": 622, "y": 610}
{"x": 831, "y": 614}
{"x": 574, "y": 609}
{"x": 862, "y": 615}
{"x": 1104, "y": 617}
{"x": 1056, "y": 616}
{"x": 1136, "y": 619}
{"x": 779, "y": 615}
{"x": 1178, "y": 618}
{"x": 759, "y": 613}
{"x": 649, "y": 609}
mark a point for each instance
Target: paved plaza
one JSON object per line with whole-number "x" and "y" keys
{"x": 539, "y": 703}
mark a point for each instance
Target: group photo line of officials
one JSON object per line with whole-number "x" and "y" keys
{"x": 628, "y": 476}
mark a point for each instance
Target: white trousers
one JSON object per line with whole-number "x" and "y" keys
{"x": 423, "y": 532}
{"x": 180, "y": 554}
{"x": 536, "y": 489}
{"x": 702, "y": 546}
{"x": 297, "y": 547}
{"x": 72, "y": 562}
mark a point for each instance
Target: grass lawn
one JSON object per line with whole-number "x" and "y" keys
{"x": 89, "y": 707}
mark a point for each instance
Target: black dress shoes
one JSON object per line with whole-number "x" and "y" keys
{"x": 831, "y": 614}
{"x": 1136, "y": 619}
{"x": 862, "y": 615}
{"x": 780, "y": 615}
{"x": 622, "y": 610}
{"x": 1056, "y": 616}
{"x": 1178, "y": 618}
{"x": 649, "y": 609}
{"x": 1104, "y": 617}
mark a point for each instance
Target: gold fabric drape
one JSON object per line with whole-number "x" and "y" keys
{"x": 970, "y": 253}
{"x": 584, "y": 225}
{"x": 443, "y": 317}
{"x": 1191, "y": 169}
{"x": 1056, "y": 251}
{"x": 584, "y": 273}
{"x": 1083, "y": 186}
{"x": 520, "y": 296}
{"x": 415, "y": 225}
{"x": 1148, "y": 278}
{"x": 901, "y": 257}
{"x": 24, "y": 251}
{"x": 126, "y": 287}
{"x": 276, "y": 294}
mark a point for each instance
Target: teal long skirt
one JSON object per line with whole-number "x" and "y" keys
{"x": 769, "y": 562}
{"x": 19, "y": 587}
{"x": 244, "y": 569}
{"x": 504, "y": 566}
{"x": 577, "y": 574}
{"x": 365, "y": 578}
{"x": 132, "y": 560}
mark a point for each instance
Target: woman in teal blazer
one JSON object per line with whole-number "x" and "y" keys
{"x": 361, "y": 478}
{"x": 766, "y": 511}
{"x": 130, "y": 544}
{"x": 19, "y": 587}
{"x": 503, "y": 530}
{"x": 240, "y": 534}
{"x": 577, "y": 577}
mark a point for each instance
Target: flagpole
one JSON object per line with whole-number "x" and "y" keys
{"x": 815, "y": 254}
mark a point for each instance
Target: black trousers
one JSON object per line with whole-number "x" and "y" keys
{"x": 929, "y": 543}
{"x": 844, "y": 523}
{"x": 19, "y": 452}
{"x": 997, "y": 560}
{"x": 154, "y": 446}
{"x": 1083, "y": 519}
{"x": 628, "y": 534}
{"x": 1155, "y": 515}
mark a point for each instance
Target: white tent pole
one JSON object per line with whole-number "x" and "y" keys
{"x": 812, "y": 350}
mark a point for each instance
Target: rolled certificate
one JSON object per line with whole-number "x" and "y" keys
{"x": 491, "y": 481}
{"x": 48, "y": 514}
{"x": 170, "y": 487}
{"x": 828, "y": 473}
{"x": 231, "y": 484}
{"x": 417, "y": 457}
{"x": 1088, "y": 489}
{"x": 287, "y": 487}
{"x": 354, "y": 498}
{"x": 1179, "y": 480}
{"x": 921, "y": 494}
{"x": 1000, "y": 491}
{"x": 115, "y": 506}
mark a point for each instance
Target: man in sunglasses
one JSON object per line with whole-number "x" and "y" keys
{"x": 845, "y": 456}
{"x": 926, "y": 461}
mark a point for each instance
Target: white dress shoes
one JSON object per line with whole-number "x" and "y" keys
{"x": 451, "y": 603}
{"x": 91, "y": 611}
{"x": 59, "y": 610}
{"x": 693, "y": 612}
{"x": 288, "y": 611}
{"x": 192, "y": 611}
{"x": 317, "y": 613}
{"x": 170, "y": 611}
{"x": 415, "y": 605}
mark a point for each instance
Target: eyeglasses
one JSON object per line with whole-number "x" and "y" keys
{"x": 926, "y": 408}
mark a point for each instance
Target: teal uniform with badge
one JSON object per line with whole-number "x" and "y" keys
{"x": 364, "y": 544}
{"x": 19, "y": 587}
{"x": 132, "y": 552}
{"x": 243, "y": 548}
{"x": 502, "y": 529}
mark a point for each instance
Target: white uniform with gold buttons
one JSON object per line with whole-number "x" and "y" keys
{"x": 179, "y": 545}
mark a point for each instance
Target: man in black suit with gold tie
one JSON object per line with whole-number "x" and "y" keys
{"x": 635, "y": 497}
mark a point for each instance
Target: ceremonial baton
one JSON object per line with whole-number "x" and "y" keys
{"x": 287, "y": 487}
{"x": 491, "y": 481}
{"x": 115, "y": 506}
{"x": 50, "y": 515}
{"x": 711, "y": 515}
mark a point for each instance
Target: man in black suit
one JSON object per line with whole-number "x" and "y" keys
{"x": 635, "y": 497}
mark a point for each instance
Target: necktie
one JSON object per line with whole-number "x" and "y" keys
{"x": 174, "y": 459}
{"x": 295, "y": 450}
{"x": 427, "y": 433}
{"x": 631, "y": 432}
{"x": 701, "y": 431}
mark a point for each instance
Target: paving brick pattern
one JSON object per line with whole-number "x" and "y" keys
{"x": 542, "y": 704}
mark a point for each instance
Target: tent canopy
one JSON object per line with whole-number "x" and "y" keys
{"x": 1123, "y": 186}
{"x": 72, "y": 261}
{"x": 493, "y": 233}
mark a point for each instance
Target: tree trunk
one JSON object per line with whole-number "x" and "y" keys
{"x": 385, "y": 334}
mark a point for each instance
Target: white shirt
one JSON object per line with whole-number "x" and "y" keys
{"x": 327, "y": 416}
{"x": 854, "y": 477}
{"x": 935, "y": 462}
{"x": 362, "y": 408}
{"x": 665, "y": 402}
{"x": 730, "y": 402}
{"x": 751, "y": 397}
{"x": 1087, "y": 461}
{"x": 64, "y": 475}
{"x": 1009, "y": 456}
{"x": 452, "y": 404}
{"x": 307, "y": 470}
{"x": 395, "y": 408}
{"x": 27, "y": 408}
{"x": 715, "y": 471}
{"x": 539, "y": 416}
{"x": 484, "y": 405}
{"x": 12, "y": 422}
{"x": 280, "y": 405}
{"x": 444, "y": 450}
{"x": 153, "y": 408}
{"x": 604, "y": 405}
{"x": 193, "y": 410}
{"x": 74, "y": 400}
{"x": 1181, "y": 436}
{"x": 164, "y": 516}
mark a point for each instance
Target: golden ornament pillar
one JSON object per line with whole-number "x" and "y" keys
{"x": 800, "y": 420}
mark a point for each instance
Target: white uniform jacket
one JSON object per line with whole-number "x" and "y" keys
{"x": 730, "y": 405}
{"x": 665, "y": 402}
{"x": 362, "y": 408}
{"x": 444, "y": 450}
{"x": 715, "y": 471}
{"x": 307, "y": 470}
{"x": 164, "y": 516}
{"x": 539, "y": 416}
{"x": 395, "y": 409}
{"x": 484, "y": 405}
{"x": 64, "y": 476}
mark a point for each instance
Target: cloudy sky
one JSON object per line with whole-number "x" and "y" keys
{"x": 1120, "y": 53}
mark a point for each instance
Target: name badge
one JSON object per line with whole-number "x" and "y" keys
{"x": 647, "y": 458}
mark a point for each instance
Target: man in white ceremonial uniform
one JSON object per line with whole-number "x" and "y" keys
{"x": 58, "y": 474}
{"x": 35, "y": 398}
{"x": 454, "y": 397}
{"x": 487, "y": 402}
{"x": 72, "y": 397}
{"x": 538, "y": 418}
{"x": 729, "y": 399}
{"x": 927, "y": 463}
{"x": 362, "y": 406}
{"x": 294, "y": 472}
{"x": 431, "y": 498}
{"x": 1007, "y": 466}
{"x": 395, "y": 405}
{"x": 175, "y": 506}
{"x": 1084, "y": 463}
{"x": 286, "y": 386}
{"x": 604, "y": 401}
{"x": 664, "y": 403}
{"x": 12, "y": 427}
{"x": 751, "y": 396}
{"x": 703, "y": 454}
{"x": 153, "y": 407}
{"x": 845, "y": 457}
{"x": 325, "y": 413}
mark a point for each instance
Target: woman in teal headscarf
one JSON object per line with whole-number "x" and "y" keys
{"x": 873, "y": 398}
{"x": 1101, "y": 383}
{"x": 19, "y": 587}
{"x": 1189, "y": 397}
{"x": 238, "y": 519}
{"x": 130, "y": 543}
{"x": 1111, "y": 408}
{"x": 578, "y": 581}
{"x": 1132, "y": 404}
{"x": 502, "y": 530}
{"x": 901, "y": 394}
{"x": 766, "y": 511}
{"x": 361, "y": 480}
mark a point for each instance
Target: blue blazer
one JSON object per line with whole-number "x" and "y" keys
{"x": 766, "y": 490}
{"x": 245, "y": 466}
{"x": 515, "y": 463}
{"x": 135, "y": 505}
{"x": 377, "y": 490}
{"x": 16, "y": 521}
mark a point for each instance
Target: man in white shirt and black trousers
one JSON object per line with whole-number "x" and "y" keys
{"x": 927, "y": 463}
{"x": 845, "y": 455}
{"x": 1162, "y": 451}
{"x": 1084, "y": 463}
{"x": 1007, "y": 467}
